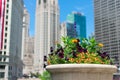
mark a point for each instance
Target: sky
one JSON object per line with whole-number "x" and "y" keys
{"x": 66, "y": 7}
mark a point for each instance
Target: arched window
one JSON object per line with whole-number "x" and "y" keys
{"x": 39, "y": 2}
{"x": 45, "y": 1}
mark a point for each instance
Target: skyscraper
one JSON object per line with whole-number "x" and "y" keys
{"x": 11, "y": 19}
{"x": 25, "y": 31}
{"x": 27, "y": 45}
{"x": 46, "y": 30}
{"x": 107, "y": 26}
{"x": 76, "y": 25}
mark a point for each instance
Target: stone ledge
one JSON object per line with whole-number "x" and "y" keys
{"x": 102, "y": 68}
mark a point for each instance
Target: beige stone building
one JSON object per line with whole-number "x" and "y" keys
{"x": 28, "y": 45}
{"x": 28, "y": 56}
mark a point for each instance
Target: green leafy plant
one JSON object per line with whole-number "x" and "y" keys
{"x": 79, "y": 51}
{"x": 45, "y": 76}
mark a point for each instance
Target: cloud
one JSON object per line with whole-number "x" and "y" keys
{"x": 79, "y": 8}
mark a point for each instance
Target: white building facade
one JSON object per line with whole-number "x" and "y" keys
{"x": 46, "y": 30}
{"x": 10, "y": 53}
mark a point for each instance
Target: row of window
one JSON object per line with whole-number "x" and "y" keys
{"x": 3, "y": 59}
{"x": 6, "y": 24}
{"x": 2, "y": 74}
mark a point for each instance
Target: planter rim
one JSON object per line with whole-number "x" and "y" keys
{"x": 102, "y": 68}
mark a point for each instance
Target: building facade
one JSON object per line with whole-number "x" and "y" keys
{"x": 107, "y": 26}
{"x": 63, "y": 32}
{"x": 63, "y": 29}
{"x": 46, "y": 30}
{"x": 25, "y": 31}
{"x": 27, "y": 45}
{"x": 28, "y": 57}
{"x": 76, "y": 25}
{"x": 11, "y": 40}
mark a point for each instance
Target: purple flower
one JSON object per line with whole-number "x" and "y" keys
{"x": 79, "y": 48}
{"x": 85, "y": 50}
{"x": 104, "y": 55}
{"x": 74, "y": 54}
{"x": 66, "y": 58}
{"x": 61, "y": 54}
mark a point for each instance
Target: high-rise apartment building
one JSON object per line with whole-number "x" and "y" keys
{"x": 27, "y": 45}
{"x": 76, "y": 25}
{"x": 107, "y": 26}
{"x": 11, "y": 23}
{"x": 46, "y": 30}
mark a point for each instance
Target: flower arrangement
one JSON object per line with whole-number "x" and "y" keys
{"x": 79, "y": 51}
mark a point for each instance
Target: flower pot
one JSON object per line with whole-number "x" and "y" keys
{"x": 81, "y": 71}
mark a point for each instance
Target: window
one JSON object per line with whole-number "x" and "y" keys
{"x": 5, "y": 40}
{"x": 0, "y": 52}
{"x": 39, "y": 2}
{"x": 7, "y": 0}
{"x": 4, "y": 59}
{"x": 45, "y": 1}
{"x": 6, "y": 11}
{"x": 4, "y": 53}
{"x": 25, "y": 55}
{"x": 6, "y": 22}
{"x": 5, "y": 28}
{"x": 7, "y": 5}
{"x": 5, "y": 34}
{"x": 2, "y": 74}
{"x": 2, "y": 66}
{"x": 10, "y": 67}
{"x": 4, "y": 46}
{"x": 53, "y": 2}
{"x": 6, "y": 16}
{"x": 0, "y": 59}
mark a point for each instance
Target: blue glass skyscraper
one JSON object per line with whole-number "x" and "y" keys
{"x": 76, "y": 25}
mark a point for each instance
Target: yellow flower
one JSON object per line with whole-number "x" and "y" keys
{"x": 100, "y": 45}
{"x": 78, "y": 61}
{"x": 75, "y": 41}
{"x": 48, "y": 62}
{"x": 71, "y": 59}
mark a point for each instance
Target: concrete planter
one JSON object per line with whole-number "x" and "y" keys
{"x": 81, "y": 71}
